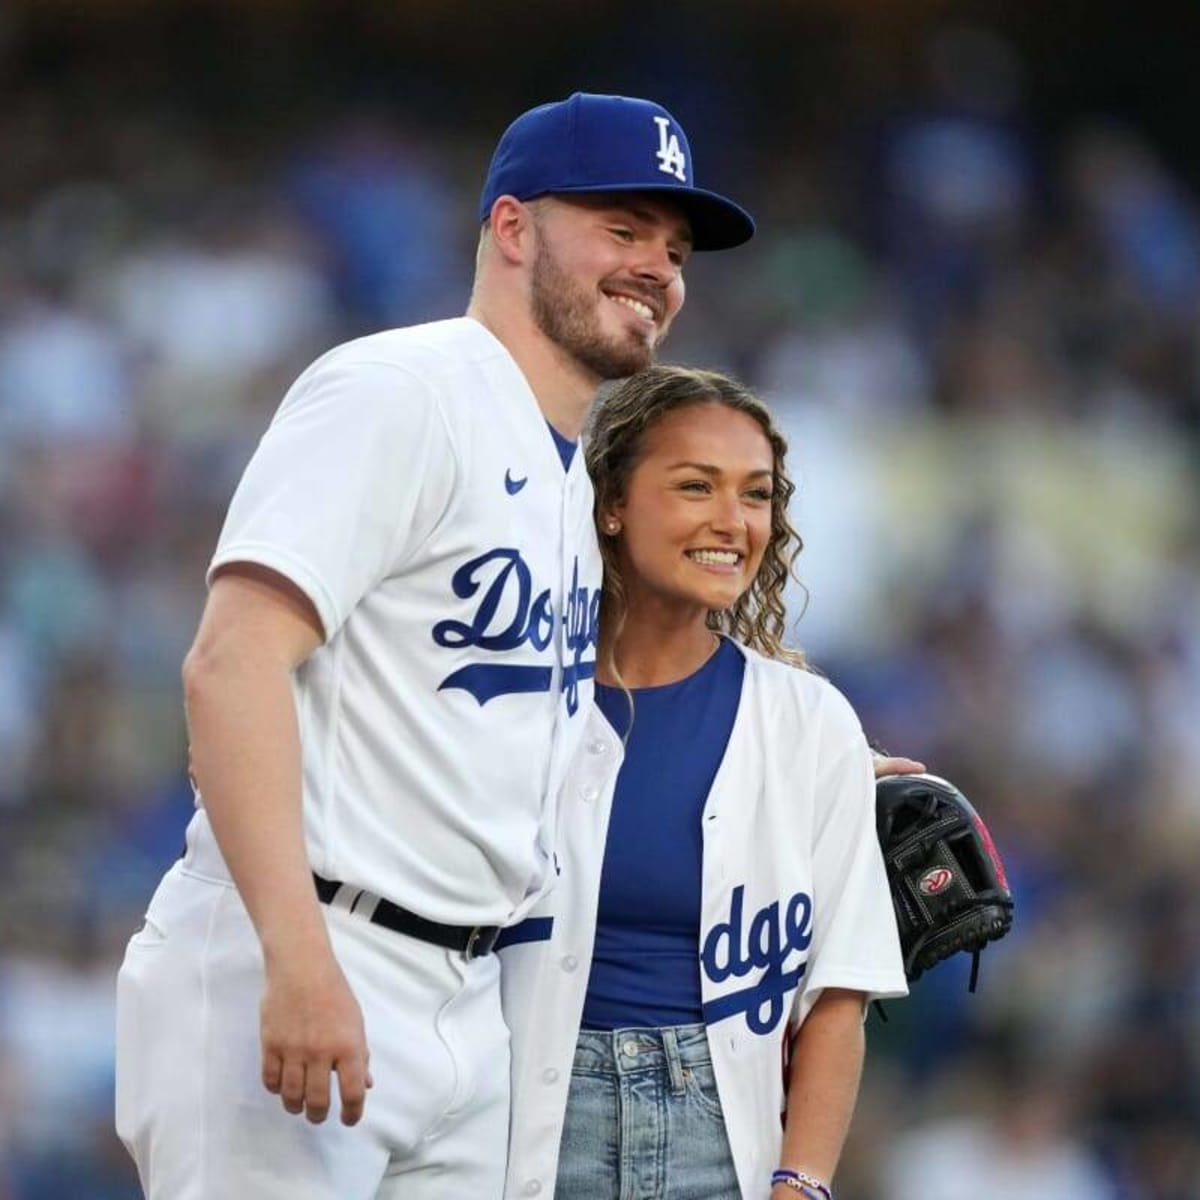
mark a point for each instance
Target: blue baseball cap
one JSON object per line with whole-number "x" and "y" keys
{"x": 591, "y": 143}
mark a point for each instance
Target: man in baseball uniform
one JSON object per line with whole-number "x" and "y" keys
{"x": 390, "y": 675}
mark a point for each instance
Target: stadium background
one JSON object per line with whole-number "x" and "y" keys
{"x": 974, "y": 303}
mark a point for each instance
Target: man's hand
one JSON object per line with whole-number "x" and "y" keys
{"x": 312, "y": 1025}
{"x": 884, "y": 765}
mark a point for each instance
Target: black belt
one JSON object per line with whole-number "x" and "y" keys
{"x": 470, "y": 940}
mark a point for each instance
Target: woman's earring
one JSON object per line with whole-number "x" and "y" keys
{"x": 612, "y": 525}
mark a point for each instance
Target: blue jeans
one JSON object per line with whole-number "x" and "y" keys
{"x": 643, "y": 1120}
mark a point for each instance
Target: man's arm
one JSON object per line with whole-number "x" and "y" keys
{"x": 826, "y": 1065}
{"x": 257, "y": 628}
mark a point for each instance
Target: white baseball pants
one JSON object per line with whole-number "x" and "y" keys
{"x": 190, "y": 1103}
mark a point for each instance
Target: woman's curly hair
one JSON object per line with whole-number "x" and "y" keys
{"x": 613, "y": 444}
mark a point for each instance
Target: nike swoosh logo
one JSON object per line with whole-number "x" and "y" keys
{"x": 513, "y": 486}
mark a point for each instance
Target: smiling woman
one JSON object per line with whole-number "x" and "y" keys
{"x": 695, "y": 521}
{"x": 696, "y": 456}
{"x": 742, "y": 913}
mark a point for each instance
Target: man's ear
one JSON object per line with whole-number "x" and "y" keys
{"x": 511, "y": 227}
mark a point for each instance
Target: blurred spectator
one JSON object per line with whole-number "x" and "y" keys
{"x": 1013, "y": 1132}
{"x": 62, "y": 375}
{"x": 213, "y": 318}
{"x": 954, "y": 183}
{"x": 391, "y": 224}
{"x": 1145, "y": 225}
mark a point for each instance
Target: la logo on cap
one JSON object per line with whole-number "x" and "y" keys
{"x": 671, "y": 160}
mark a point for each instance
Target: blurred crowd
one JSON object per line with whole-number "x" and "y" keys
{"x": 984, "y": 345}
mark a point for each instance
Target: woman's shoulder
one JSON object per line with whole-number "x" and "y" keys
{"x": 811, "y": 692}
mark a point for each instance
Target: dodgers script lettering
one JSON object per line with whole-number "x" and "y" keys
{"x": 509, "y": 614}
{"x": 735, "y": 948}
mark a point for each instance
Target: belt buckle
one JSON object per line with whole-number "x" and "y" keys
{"x": 480, "y": 941}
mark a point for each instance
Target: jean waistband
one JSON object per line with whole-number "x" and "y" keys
{"x": 625, "y": 1051}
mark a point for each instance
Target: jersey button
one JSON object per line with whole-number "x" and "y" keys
{"x": 589, "y": 792}
{"x": 597, "y": 746}
{"x": 569, "y": 962}
{"x": 549, "y": 1075}
{"x": 531, "y": 1188}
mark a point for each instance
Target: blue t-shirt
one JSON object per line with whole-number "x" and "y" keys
{"x": 646, "y": 963}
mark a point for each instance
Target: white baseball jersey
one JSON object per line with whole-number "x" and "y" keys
{"x": 410, "y": 487}
{"x": 794, "y": 900}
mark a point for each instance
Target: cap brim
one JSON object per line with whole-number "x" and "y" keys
{"x": 717, "y": 223}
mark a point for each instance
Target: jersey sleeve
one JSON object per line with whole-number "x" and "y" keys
{"x": 352, "y": 474}
{"x": 855, "y": 941}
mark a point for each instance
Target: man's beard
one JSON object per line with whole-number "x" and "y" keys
{"x": 567, "y": 315}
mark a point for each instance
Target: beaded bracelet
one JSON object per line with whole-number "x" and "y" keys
{"x": 806, "y": 1192}
{"x": 803, "y": 1183}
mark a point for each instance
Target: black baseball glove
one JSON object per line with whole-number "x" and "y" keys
{"x": 948, "y": 883}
